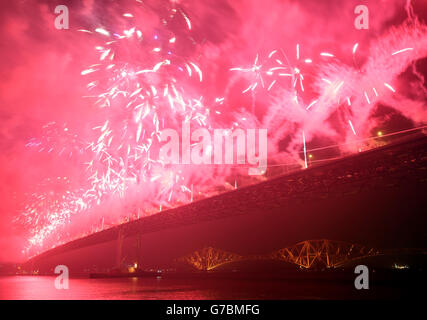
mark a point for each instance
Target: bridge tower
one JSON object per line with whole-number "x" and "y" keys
{"x": 119, "y": 250}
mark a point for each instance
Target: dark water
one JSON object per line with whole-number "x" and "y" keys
{"x": 42, "y": 287}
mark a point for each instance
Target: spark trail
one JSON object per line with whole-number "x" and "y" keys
{"x": 143, "y": 82}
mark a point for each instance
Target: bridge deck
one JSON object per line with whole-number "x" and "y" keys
{"x": 374, "y": 198}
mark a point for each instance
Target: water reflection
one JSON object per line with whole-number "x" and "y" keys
{"x": 41, "y": 288}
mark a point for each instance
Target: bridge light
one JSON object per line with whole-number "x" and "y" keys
{"x": 400, "y": 267}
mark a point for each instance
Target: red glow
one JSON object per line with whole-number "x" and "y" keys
{"x": 82, "y": 110}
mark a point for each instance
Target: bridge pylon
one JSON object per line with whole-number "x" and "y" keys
{"x": 209, "y": 258}
{"x": 119, "y": 249}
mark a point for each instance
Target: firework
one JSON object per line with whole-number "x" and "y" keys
{"x": 143, "y": 82}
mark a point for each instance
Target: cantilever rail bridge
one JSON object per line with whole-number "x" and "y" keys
{"x": 376, "y": 199}
{"x": 306, "y": 254}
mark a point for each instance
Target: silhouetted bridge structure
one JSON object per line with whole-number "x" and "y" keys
{"x": 306, "y": 254}
{"x": 376, "y": 198}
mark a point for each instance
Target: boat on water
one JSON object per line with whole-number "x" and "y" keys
{"x": 124, "y": 274}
